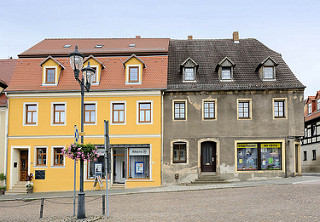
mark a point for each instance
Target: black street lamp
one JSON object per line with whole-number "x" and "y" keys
{"x": 76, "y": 62}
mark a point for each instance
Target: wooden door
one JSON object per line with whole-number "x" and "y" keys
{"x": 208, "y": 157}
{"x": 23, "y": 165}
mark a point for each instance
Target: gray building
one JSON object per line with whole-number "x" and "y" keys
{"x": 232, "y": 109}
{"x": 310, "y": 148}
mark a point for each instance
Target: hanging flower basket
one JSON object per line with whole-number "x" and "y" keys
{"x": 78, "y": 151}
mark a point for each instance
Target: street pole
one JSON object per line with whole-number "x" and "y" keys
{"x": 81, "y": 194}
{"x": 106, "y": 156}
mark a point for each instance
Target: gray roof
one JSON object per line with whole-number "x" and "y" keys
{"x": 246, "y": 55}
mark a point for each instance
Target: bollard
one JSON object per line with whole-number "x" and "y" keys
{"x": 41, "y": 208}
{"x": 103, "y": 204}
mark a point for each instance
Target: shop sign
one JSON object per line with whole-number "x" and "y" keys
{"x": 270, "y": 145}
{"x": 139, "y": 151}
{"x": 247, "y": 145}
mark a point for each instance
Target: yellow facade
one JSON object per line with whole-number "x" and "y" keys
{"x": 45, "y": 134}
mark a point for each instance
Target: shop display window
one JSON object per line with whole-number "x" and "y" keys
{"x": 139, "y": 163}
{"x": 95, "y": 167}
{"x": 259, "y": 156}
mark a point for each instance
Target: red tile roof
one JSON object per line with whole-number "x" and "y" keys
{"x": 142, "y": 46}
{"x": 315, "y": 112}
{"x": 28, "y": 75}
{"x": 6, "y": 69}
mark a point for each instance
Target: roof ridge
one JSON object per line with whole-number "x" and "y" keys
{"x": 98, "y": 38}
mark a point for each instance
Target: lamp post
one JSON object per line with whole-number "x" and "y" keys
{"x": 76, "y": 62}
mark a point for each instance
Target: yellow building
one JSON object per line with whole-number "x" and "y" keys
{"x": 44, "y": 107}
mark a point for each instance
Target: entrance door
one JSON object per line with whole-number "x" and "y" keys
{"x": 23, "y": 165}
{"x": 119, "y": 167}
{"x": 208, "y": 157}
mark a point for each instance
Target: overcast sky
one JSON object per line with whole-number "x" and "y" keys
{"x": 290, "y": 27}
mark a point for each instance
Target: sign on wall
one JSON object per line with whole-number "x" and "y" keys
{"x": 139, "y": 151}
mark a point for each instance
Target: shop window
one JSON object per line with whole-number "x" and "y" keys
{"x": 305, "y": 156}
{"x": 145, "y": 112}
{"x": 209, "y": 110}
{"x": 59, "y": 114}
{"x": 97, "y": 168}
{"x": 139, "y": 163}
{"x": 118, "y": 112}
{"x": 58, "y": 156}
{"x": 179, "y": 152}
{"x": 179, "y": 110}
{"x": 279, "y": 108}
{"x": 314, "y": 155}
{"x": 89, "y": 113}
{"x": 31, "y": 114}
{"x": 41, "y": 156}
{"x": 259, "y": 156}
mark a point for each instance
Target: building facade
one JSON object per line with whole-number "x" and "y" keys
{"x": 232, "y": 108}
{"x": 310, "y": 148}
{"x": 44, "y": 107}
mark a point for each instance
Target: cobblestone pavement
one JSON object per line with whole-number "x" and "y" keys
{"x": 299, "y": 201}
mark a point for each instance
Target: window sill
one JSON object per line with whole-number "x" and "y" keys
{"x": 39, "y": 166}
{"x": 139, "y": 180}
{"x": 58, "y": 167}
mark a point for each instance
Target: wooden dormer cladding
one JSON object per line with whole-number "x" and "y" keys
{"x": 267, "y": 69}
{"x": 133, "y": 70}
{"x": 97, "y": 66}
{"x": 188, "y": 70}
{"x": 225, "y": 69}
{"x": 51, "y": 70}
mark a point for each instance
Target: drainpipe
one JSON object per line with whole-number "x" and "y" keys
{"x": 161, "y": 166}
{"x": 6, "y": 140}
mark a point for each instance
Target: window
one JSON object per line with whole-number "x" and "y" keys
{"x": 89, "y": 113}
{"x": 145, "y": 112}
{"x": 189, "y": 74}
{"x": 94, "y": 78}
{"x": 226, "y": 73}
{"x": 179, "y": 110}
{"x": 58, "y": 156}
{"x": 268, "y": 72}
{"x": 279, "y": 108}
{"x": 179, "y": 152}
{"x": 59, "y": 114}
{"x": 304, "y": 155}
{"x": 50, "y": 75}
{"x": 209, "y": 110}
{"x": 313, "y": 130}
{"x": 139, "y": 163}
{"x": 41, "y": 156}
{"x": 318, "y": 104}
{"x": 118, "y": 111}
{"x": 134, "y": 74}
{"x": 244, "y": 109}
{"x": 309, "y": 108}
{"x": 314, "y": 155}
{"x": 31, "y": 114}
{"x": 92, "y": 165}
{"x": 259, "y": 156}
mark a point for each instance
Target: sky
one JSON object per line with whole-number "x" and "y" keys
{"x": 290, "y": 27}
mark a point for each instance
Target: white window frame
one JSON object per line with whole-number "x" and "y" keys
{"x": 151, "y": 114}
{"x": 273, "y": 73}
{"x": 184, "y": 74}
{"x": 111, "y": 112}
{"x": 97, "y": 74}
{"x": 309, "y": 108}
{"x": 140, "y": 74}
{"x": 318, "y": 104}
{"x": 52, "y": 157}
{"x": 231, "y": 75}
{"x": 25, "y": 114}
{"x": 52, "y": 113}
{"x": 96, "y": 110}
{"x": 35, "y": 160}
{"x": 250, "y": 108}
{"x": 44, "y": 75}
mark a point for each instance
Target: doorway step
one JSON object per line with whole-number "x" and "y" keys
{"x": 18, "y": 188}
{"x": 118, "y": 186}
{"x": 207, "y": 179}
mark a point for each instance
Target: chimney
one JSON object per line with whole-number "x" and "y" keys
{"x": 236, "y": 37}
{"x": 190, "y": 37}
{"x": 138, "y": 36}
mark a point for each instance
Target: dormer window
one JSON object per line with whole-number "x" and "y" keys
{"x": 97, "y": 66}
{"x": 268, "y": 72}
{"x": 267, "y": 69}
{"x": 134, "y": 74}
{"x": 189, "y": 74}
{"x": 189, "y": 69}
{"x": 309, "y": 108}
{"x": 50, "y": 75}
{"x": 133, "y": 70}
{"x": 225, "y": 69}
{"x": 226, "y": 73}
